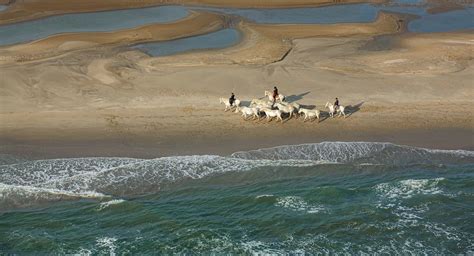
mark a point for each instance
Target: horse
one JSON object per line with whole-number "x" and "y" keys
{"x": 272, "y": 113}
{"x": 279, "y": 97}
{"x": 333, "y": 110}
{"x": 287, "y": 109}
{"x": 309, "y": 113}
{"x": 227, "y": 103}
{"x": 246, "y": 112}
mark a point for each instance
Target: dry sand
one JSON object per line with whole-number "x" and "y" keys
{"x": 33, "y": 9}
{"x": 110, "y": 101}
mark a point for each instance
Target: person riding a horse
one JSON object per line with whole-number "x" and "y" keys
{"x": 275, "y": 94}
{"x": 232, "y": 99}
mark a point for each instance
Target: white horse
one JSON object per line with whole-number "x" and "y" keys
{"x": 248, "y": 112}
{"x": 287, "y": 109}
{"x": 333, "y": 110}
{"x": 260, "y": 103}
{"x": 309, "y": 114}
{"x": 227, "y": 103}
{"x": 296, "y": 106}
{"x": 279, "y": 97}
{"x": 272, "y": 113}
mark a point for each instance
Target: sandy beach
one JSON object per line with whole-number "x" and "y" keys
{"x": 91, "y": 94}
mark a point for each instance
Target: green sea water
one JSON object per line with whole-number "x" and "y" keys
{"x": 327, "y": 198}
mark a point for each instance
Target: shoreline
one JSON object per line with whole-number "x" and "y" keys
{"x": 54, "y": 148}
{"x": 150, "y": 133}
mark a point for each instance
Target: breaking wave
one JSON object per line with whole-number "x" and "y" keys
{"x": 25, "y": 183}
{"x": 360, "y": 153}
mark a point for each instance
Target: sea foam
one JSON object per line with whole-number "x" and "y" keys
{"x": 25, "y": 182}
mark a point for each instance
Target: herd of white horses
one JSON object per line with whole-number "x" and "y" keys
{"x": 266, "y": 108}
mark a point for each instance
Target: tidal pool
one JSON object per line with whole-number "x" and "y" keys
{"x": 216, "y": 40}
{"x": 123, "y": 19}
{"x": 444, "y": 22}
{"x": 88, "y": 22}
{"x": 321, "y": 15}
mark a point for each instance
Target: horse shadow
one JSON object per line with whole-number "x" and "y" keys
{"x": 293, "y": 98}
{"x": 245, "y": 103}
{"x": 308, "y": 106}
{"x": 354, "y": 108}
{"x": 324, "y": 116}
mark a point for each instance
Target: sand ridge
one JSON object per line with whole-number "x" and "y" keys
{"x": 264, "y": 43}
{"x": 197, "y": 23}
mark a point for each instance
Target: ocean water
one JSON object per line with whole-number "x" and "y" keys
{"x": 325, "y": 198}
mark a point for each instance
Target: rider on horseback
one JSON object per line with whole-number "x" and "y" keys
{"x": 232, "y": 99}
{"x": 275, "y": 95}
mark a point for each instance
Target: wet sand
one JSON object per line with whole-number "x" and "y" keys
{"x": 33, "y": 9}
{"x": 197, "y": 23}
{"x": 187, "y": 130}
{"x": 265, "y": 44}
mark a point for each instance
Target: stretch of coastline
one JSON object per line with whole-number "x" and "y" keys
{"x": 90, "y": 94}
{"x": 114, "y": 116}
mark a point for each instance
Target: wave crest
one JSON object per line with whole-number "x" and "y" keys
{"x": 26, "y": 182}
{"x": 360, "y": 153}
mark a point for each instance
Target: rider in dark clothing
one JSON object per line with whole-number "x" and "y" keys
{"x": 275, "y": 94}
{"x": 232, "y": 99}
{"x": 336, "y": 103}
